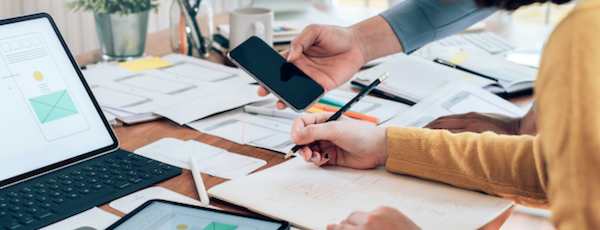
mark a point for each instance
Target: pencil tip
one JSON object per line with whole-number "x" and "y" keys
{"x": 288, "y": 154}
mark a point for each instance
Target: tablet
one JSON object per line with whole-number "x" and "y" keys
{"x": 163, "y": 215}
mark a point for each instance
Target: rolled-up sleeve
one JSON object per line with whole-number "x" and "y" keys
{"x": 418, "y": 22}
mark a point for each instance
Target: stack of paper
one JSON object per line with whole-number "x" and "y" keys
{"x": 457, "y": 97}
{"x": 183, "y": 90}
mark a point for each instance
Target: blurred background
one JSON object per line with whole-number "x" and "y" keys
{"x": 79, "y": 29}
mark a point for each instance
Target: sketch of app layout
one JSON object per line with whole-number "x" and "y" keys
{"x": 255, "y": 130}
{"x": 457, "y": 97}
{"x": 117, "y": 99}
{"x": 195, "y": 71}
{"x": 42, "y": 84}
{"x": 155, "y": 84}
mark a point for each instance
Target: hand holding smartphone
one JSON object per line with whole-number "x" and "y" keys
{"x": 284, "y": 80}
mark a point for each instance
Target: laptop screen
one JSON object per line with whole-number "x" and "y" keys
{"x": 48, "y": 118}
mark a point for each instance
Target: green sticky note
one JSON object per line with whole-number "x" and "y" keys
{"x": 220, "y": 226}
{"x": 53, "y": 106}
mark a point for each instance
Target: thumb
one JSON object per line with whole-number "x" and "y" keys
{"x": 303, "y": 41}
{"x": 319, "y": 132}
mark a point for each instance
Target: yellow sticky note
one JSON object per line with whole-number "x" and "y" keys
{"x": 314, "y": 110}
{"x": 145, "y": 64}
{"x": 459, "y": 58}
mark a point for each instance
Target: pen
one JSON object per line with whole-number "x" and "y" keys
{"x": 271, "y": 112}
{"x": 349, "y": 113}
{"x": 198, "y": 181}
{"x": 346, "y": 107}
{"x": 452, "y": 65}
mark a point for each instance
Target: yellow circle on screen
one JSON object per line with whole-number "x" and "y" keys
{"x": 38, "y": 76}
{"x": 182, "y": 226}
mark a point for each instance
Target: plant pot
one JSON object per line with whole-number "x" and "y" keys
{"x": 122, "y": 37}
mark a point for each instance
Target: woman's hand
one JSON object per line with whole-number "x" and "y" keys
{"x": 344, "y": 142}
{"x": 382, "y": 218}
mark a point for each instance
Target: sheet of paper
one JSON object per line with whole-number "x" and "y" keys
{"x": 312, "y": 197}
{"x": 93, "y": 219}
{"x": 130, "y": 202}
{"x": 145, "y": 64}
{"x": 414, "y": 78}
{"x": 189, "y": 90}
{"x": 211, "y": 160}
{"x": 266, "y": 132}
{"x": 457, "y": 97}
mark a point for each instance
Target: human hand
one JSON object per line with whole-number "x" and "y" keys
{"x": 330, "y": 55}
{"x": 344, "y": 142}
{"x": 478, "y": 122}
{"x": 382, "y": 218}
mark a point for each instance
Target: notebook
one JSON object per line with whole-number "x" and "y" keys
{"x": 413, "y": 78}
{"x": 312, "y": 197}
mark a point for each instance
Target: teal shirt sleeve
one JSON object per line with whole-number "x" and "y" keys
{"x": 418, "y": 22}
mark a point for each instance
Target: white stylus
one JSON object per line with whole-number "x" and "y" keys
{"x": 198, "y": 181}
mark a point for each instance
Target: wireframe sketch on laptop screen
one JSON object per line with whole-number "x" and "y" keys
{"x": 46, "y": 115}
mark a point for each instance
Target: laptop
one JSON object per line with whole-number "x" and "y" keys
{"x": 58, "y": 154}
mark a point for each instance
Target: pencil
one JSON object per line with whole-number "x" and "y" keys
{"x": 346, "y": 107}
{"x": 349, "y": 113}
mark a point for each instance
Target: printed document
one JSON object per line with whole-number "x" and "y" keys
{"x": 457, "y": 97}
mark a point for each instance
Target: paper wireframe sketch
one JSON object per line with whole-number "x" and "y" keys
{"x": 457, "y": 97}
{"x": 189, "y": 90}
{"x": 312, "y": 197}
{"x": 266, "y": 132}
{"x": 211, "y": 160}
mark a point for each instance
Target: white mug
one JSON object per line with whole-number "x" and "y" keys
{"x": 247, "y": 22}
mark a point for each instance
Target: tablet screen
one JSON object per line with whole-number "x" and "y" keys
{"x": 162, "y": 216}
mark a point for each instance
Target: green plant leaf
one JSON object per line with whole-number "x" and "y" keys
{"x": 121, "y": 7}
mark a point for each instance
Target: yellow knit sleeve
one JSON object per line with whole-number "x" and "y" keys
{"x": 568, "y": 106}
{"x": 507, "y": 166}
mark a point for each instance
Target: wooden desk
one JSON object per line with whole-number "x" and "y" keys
{"x": 136, "y": 136}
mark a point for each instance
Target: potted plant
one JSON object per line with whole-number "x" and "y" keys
{"x": 121, "y": 24}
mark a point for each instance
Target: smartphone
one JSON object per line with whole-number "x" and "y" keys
{"x": 167, "y": 215}
{"x": 284, "y": 80}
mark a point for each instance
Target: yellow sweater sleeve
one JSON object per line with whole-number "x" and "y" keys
{"x": 558, "y": 168}
{"x": 498, "y": 165}
{"x": 568, "y": 106}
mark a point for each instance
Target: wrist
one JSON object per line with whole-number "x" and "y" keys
{"x": 375, "y": 38}
{"x": 382, "y": 153}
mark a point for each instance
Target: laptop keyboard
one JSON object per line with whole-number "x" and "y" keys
{"x": 60, "y": 194}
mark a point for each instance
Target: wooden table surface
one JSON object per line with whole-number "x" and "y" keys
{"x": 136, "y": 136}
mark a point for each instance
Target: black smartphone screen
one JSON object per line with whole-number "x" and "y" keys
{"x": 288, "y": 82}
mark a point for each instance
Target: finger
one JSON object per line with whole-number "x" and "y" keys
{"x": 304, "y": 152}
{"x": 357, "y": 218}
{"x": 316, "y": 157}
{"x": 279, "y": 105}
{"x": 303, "y": 131}
{"x": 303, "y": 41}
{"x": 285, "y": 53}
{"x": 262, "y": 91}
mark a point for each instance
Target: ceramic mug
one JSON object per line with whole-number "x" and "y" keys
{"x": 247, "y": 22}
